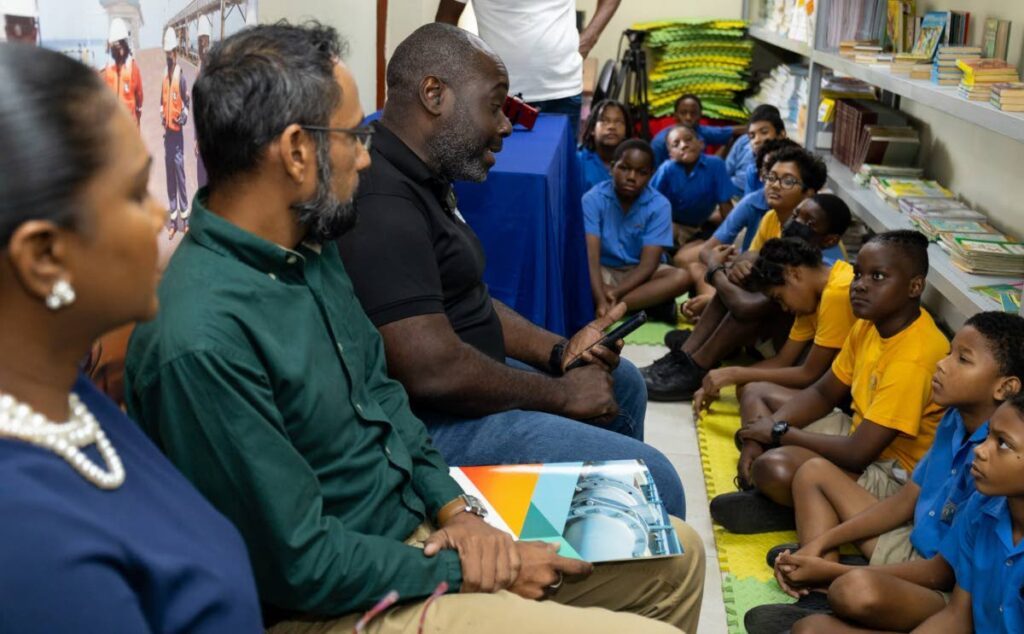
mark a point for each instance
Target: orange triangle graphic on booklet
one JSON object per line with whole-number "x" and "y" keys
{"x": 508, "y": 488}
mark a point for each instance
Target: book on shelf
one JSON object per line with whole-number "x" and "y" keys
{"x": 981, "y": 69}
{"x": 868, "y": 170}
{"x": 887, "y": 145}
{"x": 1008, "y": 96}
{"x": 850, "y": 118}
{"x": 933, "y": 228}
{"x": 1006, "y": 296}
{"x": 899, "y": 28}
{"x": 957, "y": 23}
{"x": 933, "y": 27}
{"x": 996, "y": 38}
{"x": 892, "y": 189}
{"x": 596, "y": 511}
{"x": 938, "y": 208}
{"x": 985, "y": 257}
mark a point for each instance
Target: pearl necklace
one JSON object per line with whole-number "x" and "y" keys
{"x": 18, "y": 420}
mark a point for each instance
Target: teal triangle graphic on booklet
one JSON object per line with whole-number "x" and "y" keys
{"x": 537, "y": 526}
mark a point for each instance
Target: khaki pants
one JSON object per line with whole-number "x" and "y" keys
{"x": 613, "y": 276}
{"x": 614, "y": 599}
{"x": 882, "y": 478}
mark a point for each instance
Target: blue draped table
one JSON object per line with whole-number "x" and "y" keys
{"x": 530, "y": 221}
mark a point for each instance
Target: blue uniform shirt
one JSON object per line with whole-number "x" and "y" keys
{"x": 694, "y": 195}
{"x": 833, "y": 254}
{"x": 592, "y": 168}
{"x": 736, "y": 162}
{"x": 746, "y": 214}
{"x": 149, "y": 556}
{"x": 944, "y": 475}
{"x": 752, "y": 182}
{"x": 709, "y": 134}
{"x": 988, "y": 564}
{"x": 624, "y": 235}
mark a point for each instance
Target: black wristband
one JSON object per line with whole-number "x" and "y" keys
{"x": 711, "y": 272}
{"x": 557, "y": 357}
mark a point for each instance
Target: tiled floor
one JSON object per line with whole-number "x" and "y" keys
{"x": 670, "y": 428}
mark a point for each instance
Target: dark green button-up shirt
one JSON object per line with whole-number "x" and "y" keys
{"x": 265, "y": 383}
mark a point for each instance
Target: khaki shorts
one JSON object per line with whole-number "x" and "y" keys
{"x": 614, "y": 276}
{"x": 882, "y": 478}
{"x": 681, "y": 234}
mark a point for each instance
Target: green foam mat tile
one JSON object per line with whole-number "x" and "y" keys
{"x": 740, "y": 595}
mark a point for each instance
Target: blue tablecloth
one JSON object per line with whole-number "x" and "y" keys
{"x": 530, "y": 221}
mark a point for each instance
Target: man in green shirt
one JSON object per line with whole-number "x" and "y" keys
{"x": 265, "y": 383}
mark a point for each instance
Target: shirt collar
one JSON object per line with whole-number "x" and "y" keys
{"x": 217, "y": 234}
{"x": 997, "y": 508}
{"x": 395, "y": 151}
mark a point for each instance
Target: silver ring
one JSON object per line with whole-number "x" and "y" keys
{"x": 558, "y": 584}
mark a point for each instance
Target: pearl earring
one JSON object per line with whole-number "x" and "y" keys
{"x": 61, "y": 295}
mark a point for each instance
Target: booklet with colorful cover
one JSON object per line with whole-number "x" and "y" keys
{"x": 597, "y": 511}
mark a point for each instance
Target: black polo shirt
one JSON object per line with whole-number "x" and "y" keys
{"x": 411, "y": 253}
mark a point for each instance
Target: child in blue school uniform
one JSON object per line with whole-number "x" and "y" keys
{"x": 689, "y": 110}
{"x": 693, "y": 182}
{"x": 742, "y": 155}
{"x": 607, "y": 126}
{"x": 902, "y": 586}
{"x": 628, "y": 225}
{"x": 985, "y": 547}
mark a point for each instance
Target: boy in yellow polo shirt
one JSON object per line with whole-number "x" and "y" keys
{"x": 885, "y": 365}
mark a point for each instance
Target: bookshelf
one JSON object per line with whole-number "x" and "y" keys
{"x": 952, "y": 284}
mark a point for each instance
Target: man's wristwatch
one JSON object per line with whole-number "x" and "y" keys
{"x": 711, "y": 272}
{"x": 557, "y": 357}
{"x": 779, "y": 430}
{"x": 462, "y": 504}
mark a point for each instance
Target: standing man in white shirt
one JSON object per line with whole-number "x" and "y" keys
{"x": 538, "y": 42}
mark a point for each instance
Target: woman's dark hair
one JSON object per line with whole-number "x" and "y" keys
{"x": 256, "y": 83}
{"x": 54, "y": 128}
{"x": 837, "y": 213}
{"x": 634, "y": 144}
{"x": 911, "y": 244}
{"x": 769, "y": 146}
{"x": 595, "y": 113}
{"x": 812, "y": 169}
{"x": 1004, "y": 333}
{"x": 775, "y": 256}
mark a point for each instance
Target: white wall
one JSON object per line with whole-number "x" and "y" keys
{"x": 986, "y": 168}
{"x": 356, "y": 20}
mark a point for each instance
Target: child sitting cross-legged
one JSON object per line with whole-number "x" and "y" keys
{"x": 886, "y": 365}
{"x": 628, "y": 225}
{"x": 901, "y": 535}
{"x": 693, "y": 182}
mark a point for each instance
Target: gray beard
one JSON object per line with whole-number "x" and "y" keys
{"x": 324, "y": 216}
{"x": 455, "y": 150}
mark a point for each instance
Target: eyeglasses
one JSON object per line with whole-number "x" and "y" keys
{"x": 363, "y": 135}
{"x": 785, "y": 182}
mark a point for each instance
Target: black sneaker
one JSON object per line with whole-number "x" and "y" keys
{"x": 781, "y": 617}
{"x": 749, "y": 512}
{"x": 670, "y": 363}
{"x": 792, "y": 547}
{"x": 664, "y": 312}
{"x": 674, "y": 339}
{"x": 676, "y": 382}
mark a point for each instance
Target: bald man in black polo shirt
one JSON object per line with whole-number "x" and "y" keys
{"x": 489, "y": 385}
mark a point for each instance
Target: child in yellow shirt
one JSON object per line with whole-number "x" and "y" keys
{"x": 885, "y": 365}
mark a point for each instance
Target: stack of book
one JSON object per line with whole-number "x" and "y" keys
{"x": 1008, "y": 96}
{"x": 996, "y": 38}
{"x": 868, "y": 171}
{"x": 792, "y": 19}
{"x": 944, "y": 71}
{"x": 851, "y": 116}
{"x": 986, "y": 257}
{"x": 1006, "y": 296}
{"x": 980, "y": 75}
{"x": 912, "y": 65}
{"x": 891, "y": 189}
{"x": 937, "y": 208}
{"x": 849, "y": 48}
{"x": 787, "y": 88}
{"x": 936, "y": 228}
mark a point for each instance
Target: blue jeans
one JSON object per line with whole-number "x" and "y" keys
{"x": 566, "y": 105}
{"x": 525, "y": 437}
